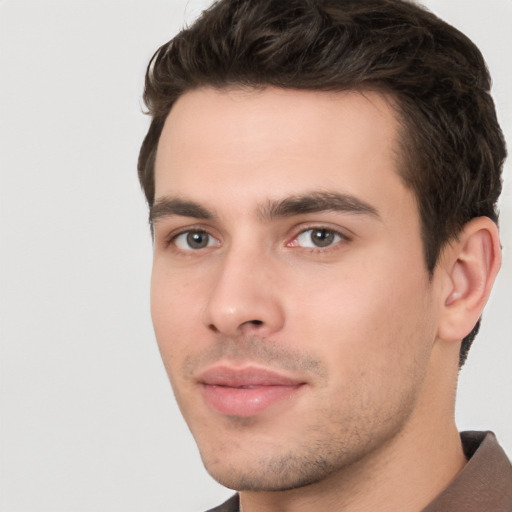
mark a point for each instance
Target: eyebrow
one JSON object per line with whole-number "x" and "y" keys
{"x": 312, "y": 202}
{"x": 170, "y": 206}
{"x": 317, "y": 202}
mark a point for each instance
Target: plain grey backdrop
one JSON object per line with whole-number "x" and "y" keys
{"x": 88, "y": 422}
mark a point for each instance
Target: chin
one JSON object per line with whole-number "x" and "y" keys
{"x": 276, "y": 471}
{"x": 284, "y": 475}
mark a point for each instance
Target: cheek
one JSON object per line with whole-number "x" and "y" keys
{"x": 175, "y": 311}
{"x": 366, "y": 319}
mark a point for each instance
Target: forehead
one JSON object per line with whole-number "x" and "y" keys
{"x": 259, "y": 144}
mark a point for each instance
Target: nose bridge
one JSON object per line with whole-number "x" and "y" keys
{"x": 244, "y": 296}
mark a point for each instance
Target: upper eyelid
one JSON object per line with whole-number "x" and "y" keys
{"x": 168, "y": 235}
{"x": 334, "y": 231}
{"x": 342, "y": 231}
{"x": 175, "y": 237}
{"x": 344, "y": 238}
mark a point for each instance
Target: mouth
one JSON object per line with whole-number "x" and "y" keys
{"x": 247, "y": 391}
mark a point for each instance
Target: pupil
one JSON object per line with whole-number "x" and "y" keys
{"x": 197, "y": 240}
{"x": 322, "y": 237}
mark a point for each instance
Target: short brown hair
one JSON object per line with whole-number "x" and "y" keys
{"x": 452, "y": 146}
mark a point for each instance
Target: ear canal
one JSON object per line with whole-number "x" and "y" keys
{"x": 460, "y": 282}
{"x": 452, "y": 298}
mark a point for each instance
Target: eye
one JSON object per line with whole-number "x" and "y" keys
{"x": 318, "y": 238}
{"x": 194, "y": 240}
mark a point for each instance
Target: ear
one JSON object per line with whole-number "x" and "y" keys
{"x": 469, "y": 265}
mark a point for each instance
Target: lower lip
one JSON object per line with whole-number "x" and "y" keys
{"x": 245, "y": 402}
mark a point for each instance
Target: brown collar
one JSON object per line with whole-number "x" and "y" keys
{"x": 485, "y": 482}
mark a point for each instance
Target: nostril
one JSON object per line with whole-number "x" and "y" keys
{"x": 245, "y": 327}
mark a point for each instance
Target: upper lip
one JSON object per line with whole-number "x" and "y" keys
{"x": 222, "y": 375}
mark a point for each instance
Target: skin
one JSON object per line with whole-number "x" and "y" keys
{"x": 358, "y": 321}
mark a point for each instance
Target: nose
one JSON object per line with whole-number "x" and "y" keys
{"x": 244, "y": 298}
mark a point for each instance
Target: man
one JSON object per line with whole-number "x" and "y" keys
{"x": 322, "y": 179}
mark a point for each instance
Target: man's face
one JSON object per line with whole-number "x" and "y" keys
{"x": 290, "y": 297}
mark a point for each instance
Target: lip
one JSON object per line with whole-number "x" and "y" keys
{"x": 247, "y": 391}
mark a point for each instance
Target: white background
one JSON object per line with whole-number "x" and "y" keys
{"x": 88, "y": 421}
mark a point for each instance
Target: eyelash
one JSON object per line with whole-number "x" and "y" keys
{"x": 338, "y": 236}
{"x": 170, "y": 241}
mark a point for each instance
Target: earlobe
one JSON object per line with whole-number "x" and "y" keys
{"x": 471, "y": 264}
